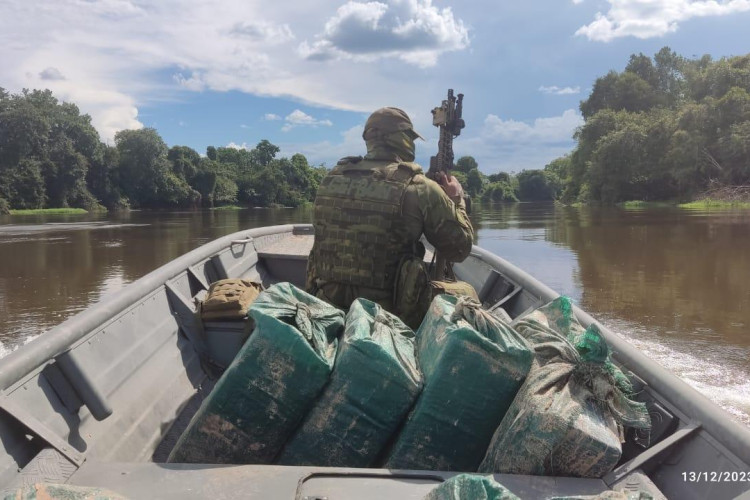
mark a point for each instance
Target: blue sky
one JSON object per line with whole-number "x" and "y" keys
{"x": 305, "y": 75}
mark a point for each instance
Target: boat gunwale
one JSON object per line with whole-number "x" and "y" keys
{"x": 50, "y": 344}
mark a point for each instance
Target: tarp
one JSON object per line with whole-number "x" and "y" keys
{"x": 470, "y": 487}
{"x": 473, "y": 364}
{"x": 375, "y": 382}
{"x": 566, "y": 419}
{"x": 41, "y": 491}
{"x": 271, "y": 384}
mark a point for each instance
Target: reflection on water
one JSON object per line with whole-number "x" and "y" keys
{"x": 674, "y": 282}
{"x": 55, "y": 266}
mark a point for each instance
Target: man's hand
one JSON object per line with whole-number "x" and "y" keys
{"x": 451, "y": 186}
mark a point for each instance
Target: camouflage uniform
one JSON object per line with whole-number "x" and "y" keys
{"x": 371, "y": 212}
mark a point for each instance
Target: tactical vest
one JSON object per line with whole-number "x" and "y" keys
{"x": 356, "y": 211}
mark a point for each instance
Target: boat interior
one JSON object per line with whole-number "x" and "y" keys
{"x": 101, "y": 399}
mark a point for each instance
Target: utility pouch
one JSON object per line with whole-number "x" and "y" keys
{"x": 410, "y": 290}
{"x": 455, "y": 288}
{"x": 229, "y": 299}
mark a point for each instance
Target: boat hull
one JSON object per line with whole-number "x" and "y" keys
{"x": 94, "y": 401}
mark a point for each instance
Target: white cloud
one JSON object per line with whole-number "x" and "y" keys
{"x": 512, "y": 145}
{"x": 263, "y": 31}
{"x": 555, "y": 90}
{"x": 113, "y": 55}
{"x": 414, "y": 31}
{"x": 234, "y": 145}
{"x": 271, "y": 117}
{"x": 300, "y": 118}
{"x": 553, "y": 130}
{"x": 652, "y": 18}
{"x": 328, "y": 152}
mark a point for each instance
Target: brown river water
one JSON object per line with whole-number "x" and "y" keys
{"x": 674, "y": 282}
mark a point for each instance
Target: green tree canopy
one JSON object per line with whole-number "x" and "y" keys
{"x": 664, "y": 128}
{"x": 466, "y": 164}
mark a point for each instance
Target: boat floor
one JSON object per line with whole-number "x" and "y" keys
{"x": 161, "y": 453}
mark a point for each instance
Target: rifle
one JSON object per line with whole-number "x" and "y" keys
{"x": 447, "y": 117}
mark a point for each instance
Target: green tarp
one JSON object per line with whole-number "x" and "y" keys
{"x": 470, "y": 487}
{"x": 375, "y": 382}
{"x": 41, "y": 491}
{"x": 271, "y": 384}
{"x": 473, "y": 365}
{"x": 566, "y": 419}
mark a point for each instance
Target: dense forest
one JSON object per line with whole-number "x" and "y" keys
{"x": 665, "y": 128}
{"x": 51, "y": 156}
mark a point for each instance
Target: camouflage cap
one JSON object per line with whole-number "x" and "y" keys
{"x": 390, "y": 120}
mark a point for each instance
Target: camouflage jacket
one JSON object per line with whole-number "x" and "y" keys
{"x": 422, "y": 208}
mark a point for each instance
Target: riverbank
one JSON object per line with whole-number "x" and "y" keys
{"x": 48, "y": 211}
{"x": 708, "y": 203}
{"x": 703, "y": 204}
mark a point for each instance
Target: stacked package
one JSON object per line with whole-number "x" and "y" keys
{"x": 471, "y": 487}
{"x": 473, "y": 364}
{"x": 567, "y": 418}
{"x": 374, "y": 384}
{"x": 271, "y": 384}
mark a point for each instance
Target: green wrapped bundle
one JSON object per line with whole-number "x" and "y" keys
{"x": 44, "y": 491}
{"x": 374, "y": 384}
{"x": 473, "y": 365}
{"x": 567, "y": 418}
{"x": 470, "y": 487}
{"x": 271, "y": 384}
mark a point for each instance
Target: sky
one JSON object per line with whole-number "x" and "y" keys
{"x": 305, "y": 75}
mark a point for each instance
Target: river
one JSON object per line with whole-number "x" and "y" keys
{"x": 674, "y": 282}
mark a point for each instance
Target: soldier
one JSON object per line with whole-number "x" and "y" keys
{"x": 370, "y": 214}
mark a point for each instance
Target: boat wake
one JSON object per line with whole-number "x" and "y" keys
{"x": 6, "y": 349}
{"x": 718, "y": 371}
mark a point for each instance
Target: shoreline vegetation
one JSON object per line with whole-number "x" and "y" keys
{"x": 665, "y": 128}
{"x": 60, "y": 162}
{"x": 49, "y": 211}
{"x": 701, "y": 203}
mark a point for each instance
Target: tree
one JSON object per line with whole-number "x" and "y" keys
{"x": 533, "y": 185}
{"x": 101, "y": 179}
{"x": 145, "y": 174}
{"x": 474, "y": 182}
{"x": 264, "y": 152}
{"x": 185, "y": 161}
{"x": 23, "y": 185}
{"x": 466, "y": 164}
{"x": 62, "y": 142}
{"x": 499, "y": 177}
